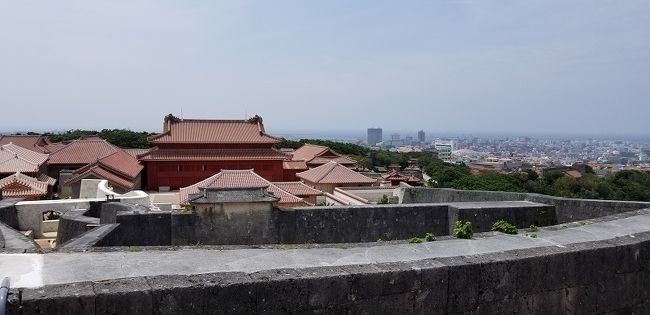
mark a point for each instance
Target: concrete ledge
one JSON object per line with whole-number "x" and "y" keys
{"x": 12, "y": 241}
{"x": 590, "y": 277}
{"x": 568, "y": 209}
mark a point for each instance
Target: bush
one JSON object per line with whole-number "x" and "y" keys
{"x": 133, "y": 249}
{"x": 504, "y": 227}
{"x": 384, "y": 200}
{"x": 463, "y": 229}
{"x": 533, "y": 228}
{"x": 415, "y": 240}
{"x": 429, "y": 237}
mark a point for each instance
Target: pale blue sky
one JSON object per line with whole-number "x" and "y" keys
{"x": 450, "y": 66}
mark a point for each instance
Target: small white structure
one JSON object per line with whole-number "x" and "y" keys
{"x": 30, "y": 213}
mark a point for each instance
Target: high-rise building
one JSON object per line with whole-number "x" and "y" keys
{"x": 421, "y": 136}
{"x": 444, "y": 149}
{"x": 374, "y": 136}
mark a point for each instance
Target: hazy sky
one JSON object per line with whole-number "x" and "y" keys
{"x": 520, "y": 66}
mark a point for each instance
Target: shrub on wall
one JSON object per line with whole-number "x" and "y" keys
{"x": 463, "y": 229}
{"x": 504, "y": 226}
{"x": 429, "y": 237}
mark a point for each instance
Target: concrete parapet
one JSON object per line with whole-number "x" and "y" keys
{"x": 608, "y": 276}
{"x": 567, "y": 209}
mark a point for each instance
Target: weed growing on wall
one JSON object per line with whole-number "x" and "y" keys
{"x": 504, "y": 227}
{"x": 134, "y": 249}
{"x": 463, "y": 229}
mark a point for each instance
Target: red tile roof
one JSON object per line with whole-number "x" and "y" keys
{"x": 177, "y": 130}
{"x": 119, "y": 168}
{"x": 98, "y": 172}
{"x": 136, "y": 152}
{"x": 318, "y": 155}
{"x": 123, "y": 163}
{"x": 294, "y": 165}
{"x": 394, "y": 175}
{"x": 22, "y": 186}
{"x": 53, "y": 147}
{"x": 212, "y": 155}
{"x": 239, "y": 179}
{"x": 573, "y": 173}
{"x": 320, "y": 160}
{"x": 35, "y": 143}
{"x": 14, "y": 159}
{"x": 49, "y": 180}
{"x": 334, "y": 173}
{"x": 82, "y": 151}
{"x": 298, "y": 188}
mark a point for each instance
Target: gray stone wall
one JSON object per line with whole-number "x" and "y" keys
{"x": 362, "y": 223}
{"x": 12, "y": 241}
{"x": 140, "y": 229}
{"x": 74, "y": 223}
{"x": 519, "y": 214}
{"x": 342, "y": 224}
{"x": 567, "y": 209}
{"x": 8, "y": 212}
{"x": 589, "y": 278}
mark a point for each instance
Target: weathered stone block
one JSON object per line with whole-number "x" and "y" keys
{"x": 228, "y": 293}
{"x": 463, "y": 286}
{"x": 178, "y": 294}
{"x": 281, "y": 291}
{"x": 431, "y": 298}
{"x": 123, "y": 296}
{"x": 73, "y": 298}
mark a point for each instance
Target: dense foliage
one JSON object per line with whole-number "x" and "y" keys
{"x": 622, "y": 185}
{"x": 120, "y": 137}
{"x": 340, "y": 147}
{"x": 463, "y": 229}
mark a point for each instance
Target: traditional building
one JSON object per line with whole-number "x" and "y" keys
{"x": 22, "y": 186}
{"x": 395, "y": 178}
{"x": 36, "y": 143}
{"x": 331, "y": 175}
{"x": 190, "y": 150}
{"x": 230, "y": 179}
{"x": 316, "y": 155}
{"x": 291, "y": 168}
{"x": 301, "y": 190}
{"x": 16, "y": 159}
{"x": 121, "y": 169}
{"x": 78, "y": 154}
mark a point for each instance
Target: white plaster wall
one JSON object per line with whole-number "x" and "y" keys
{"x": 30, "y": 213}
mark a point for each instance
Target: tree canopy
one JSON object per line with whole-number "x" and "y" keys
{"x": 622, "y": 185}
{"x": 120, "y": 137}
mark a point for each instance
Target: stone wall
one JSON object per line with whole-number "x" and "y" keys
{"x": 568, "y": 209}
{"x": 12, "y": 241}
{"x": 74, "y": 223}
{"x": 8, "y": 212}
{"x": 342, "y": 224}
{"x": 608, "y": 276}
{"x": 520, "y": 214}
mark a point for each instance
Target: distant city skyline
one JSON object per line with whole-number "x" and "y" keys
{"x": 517, "y": 67}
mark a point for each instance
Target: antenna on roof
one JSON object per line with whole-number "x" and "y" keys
{"x": 181, "y": 112}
